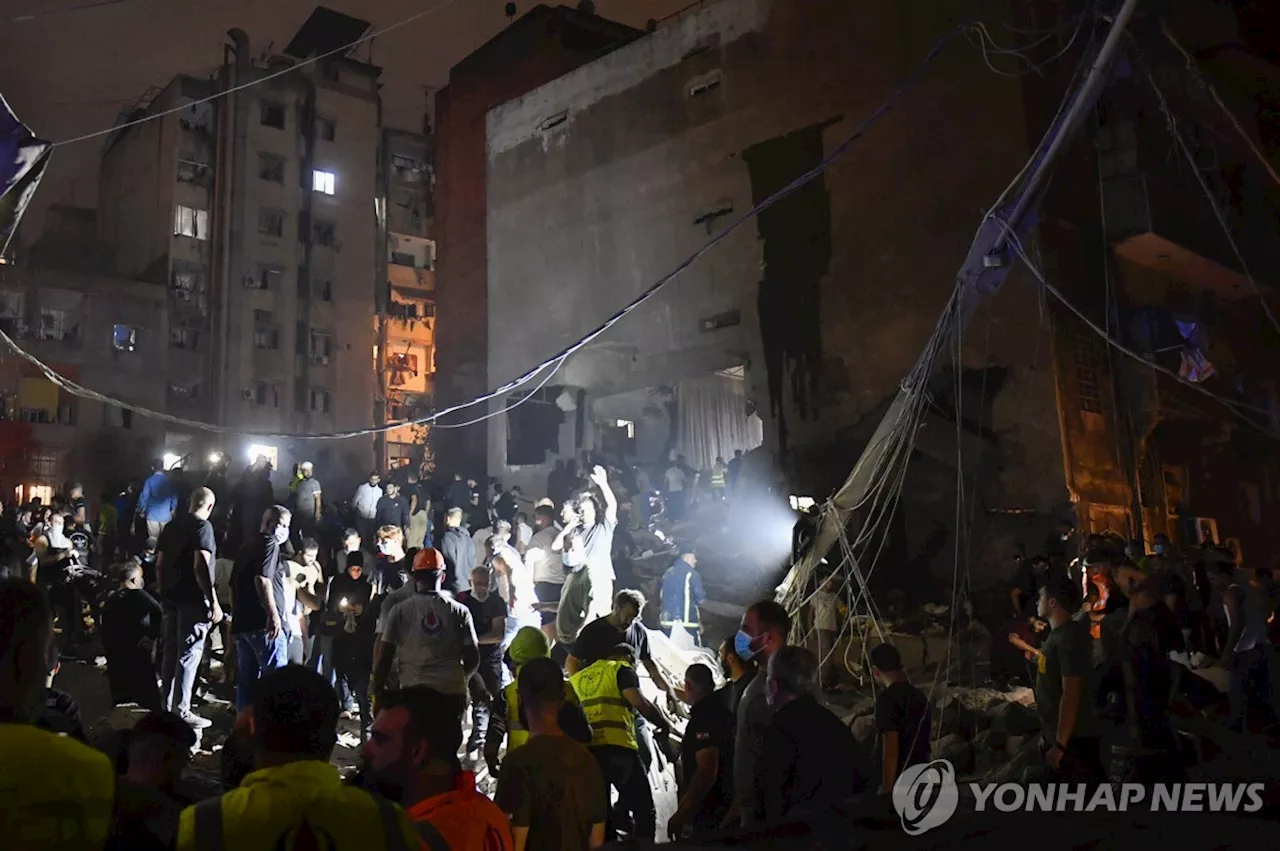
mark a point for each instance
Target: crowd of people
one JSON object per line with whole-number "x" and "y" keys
{"x": 422, "y": 611}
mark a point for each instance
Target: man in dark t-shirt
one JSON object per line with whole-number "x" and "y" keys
{"x": 902, "y": 717}
{"x": 184, "y": 570}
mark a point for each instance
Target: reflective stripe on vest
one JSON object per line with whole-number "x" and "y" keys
{"x": 209, "y": 830}
{"x": 517, "y": 735}
{"x": 608, "y": 712}
{"x": 687, "y": 622}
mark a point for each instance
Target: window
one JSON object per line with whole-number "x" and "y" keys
{"x": 268, "y": 277}
{"x": 188, "y": 280}
{"x": 319, "y": 401}
{"x": 124, "y": 338}
{"x": 190, "y": 170}
{"x": 1088, "y": 363}
{"x": 188, "y": 221}
{"x": 406, "y": 169}
{"x": 266, "y": 395}
{"x": 183, "y": 338}
{"x": 271, "y": 168}
{"x": 53, "y": 324}
{"x": 323, "y": 233}
{"x": 321, "y": 347}
{"x": 116, "y": 417}
{"x": 265, "y": 333}
{"x": 271, "y": 223}
{"x": 326, "y": 129}
{"x": 322, "y": 181}
{"x": 271, "y": 115}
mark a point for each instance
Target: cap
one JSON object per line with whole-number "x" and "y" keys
{"x": 428, "y": 558}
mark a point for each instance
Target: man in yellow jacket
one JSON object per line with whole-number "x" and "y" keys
{"x": 55, "y": 793}
{"x": 295, "y": 798}
{"x": 507, "y": 717}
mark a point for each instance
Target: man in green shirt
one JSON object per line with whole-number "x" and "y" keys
{"x": 1064, "y": 697}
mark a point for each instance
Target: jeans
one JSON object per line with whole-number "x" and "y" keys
{"x": 186, "y": 627}
{"x": 1256, "y": 668}
{"x": 622, "y": 770}
{"x": 256, "y": 654}
{"x": 489, "y": 673}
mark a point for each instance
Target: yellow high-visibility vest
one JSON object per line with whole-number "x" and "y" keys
{"x": 608, "y": 712}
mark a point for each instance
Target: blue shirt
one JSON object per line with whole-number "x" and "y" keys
{"x": 158, "y": 499}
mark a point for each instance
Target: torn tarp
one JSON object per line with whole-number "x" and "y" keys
{"x": 23, "y": 158}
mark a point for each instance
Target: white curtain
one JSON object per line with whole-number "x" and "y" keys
{"x": 714, "y": 421}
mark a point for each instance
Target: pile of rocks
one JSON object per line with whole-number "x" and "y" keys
{"x": 982, "y": 731}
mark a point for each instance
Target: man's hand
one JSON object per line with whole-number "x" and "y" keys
{"x": 677, "y": 824}
{"x": 599, "y": 476}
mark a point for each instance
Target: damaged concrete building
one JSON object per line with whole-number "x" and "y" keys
{"x": 792, "y": 335}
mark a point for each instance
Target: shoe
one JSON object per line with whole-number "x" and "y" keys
{"x": 196, "y": 722}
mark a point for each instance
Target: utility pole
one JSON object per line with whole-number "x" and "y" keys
{"x": 982, "y": 274}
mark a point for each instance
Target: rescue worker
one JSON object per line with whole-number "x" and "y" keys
{"x": 680, "y": 594}
{"x": 295, "y": 797}
{"x": 609, "y": 691}
{"x": 412, "y": 758}
{"x": 59, "y": 793}
{"x": 507, "y": 716}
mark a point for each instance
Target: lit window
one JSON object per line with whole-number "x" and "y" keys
{"x": 262, "y": 451}
{"x": 124, "y": 338}
{"x": 191, "y": 222}
{"x": 322, "y": 181}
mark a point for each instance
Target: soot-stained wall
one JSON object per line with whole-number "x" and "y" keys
{"x": 603, "y": 181}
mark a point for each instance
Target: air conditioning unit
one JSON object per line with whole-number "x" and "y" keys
{"x": 247, "y": 394}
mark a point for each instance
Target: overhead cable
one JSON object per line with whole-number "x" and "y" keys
{"x": 648, "y": 293}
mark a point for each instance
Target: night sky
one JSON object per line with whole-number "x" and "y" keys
{"x": 70, "y": 72}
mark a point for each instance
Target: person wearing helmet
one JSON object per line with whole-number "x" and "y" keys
{"x": 507, "y": 718}
{"x": 429, "y": 637}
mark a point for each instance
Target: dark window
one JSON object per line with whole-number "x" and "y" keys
{"x": 271, "y": 168}
{"x": 271, "y": 115}
{"x": 271, "y": 223}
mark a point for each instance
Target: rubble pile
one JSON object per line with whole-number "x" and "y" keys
{"x": 983, "y": 732}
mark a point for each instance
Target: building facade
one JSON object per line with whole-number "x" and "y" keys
{"x": 407, "y": 314}
{"x": 254, "y": 212}
{"x": 793, "y": 334}
{"x": 535, "y": 49}
{"x": 109, "y": 334}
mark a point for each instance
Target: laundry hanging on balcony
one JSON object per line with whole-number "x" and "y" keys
{"x": 23, "y": 158}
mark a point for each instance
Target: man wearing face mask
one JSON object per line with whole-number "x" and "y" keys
{"x": 258, "y": 600}
{"x": 763, "y": 633}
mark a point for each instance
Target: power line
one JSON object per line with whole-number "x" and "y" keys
{"x": 839, "y": 151}
{"x": 273, "y": 75}
{"x": 48, "y": 13}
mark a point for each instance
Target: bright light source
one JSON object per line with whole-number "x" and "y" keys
{"x": 169, "y": 460}
{"x": 262, "y": 450}
{"x": 323, "y": 181}
{"x": 802, "y": 503}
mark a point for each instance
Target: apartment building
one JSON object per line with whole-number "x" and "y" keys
{"x": 254, "y": 211}
{"x": 109, "y": 334}
{"x": 406, "y": 306}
